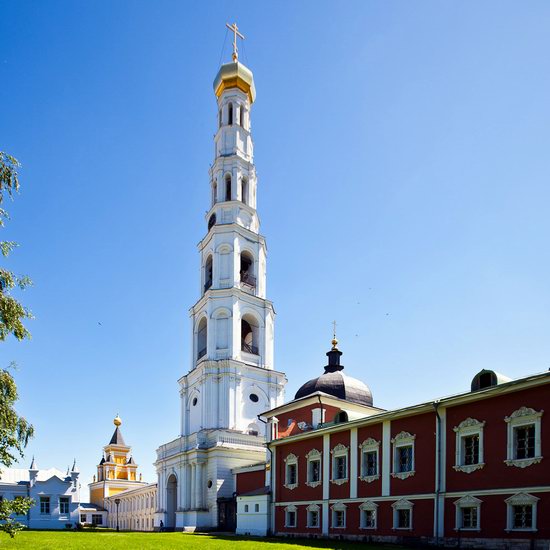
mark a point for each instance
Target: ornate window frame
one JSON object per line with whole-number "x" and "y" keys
{"x": 467, "y": 501}
{"x": 313, "y": 508}
{"x": 368, "y": 446}
{"x": 311, "y": 456}
{"x": 402, "y": 504}
{"x": 371, "y": 506}
{"x": 403, "y": 439}
{"x": 523, "y": 416}
{"x": 521, "y": 499}
{"x": 288, "y": 510}
{"x": 337, "y": 452}
{"x": 466, "y": 428}
{"x": 290, "y": 460}
{"x": 338, "y": 507}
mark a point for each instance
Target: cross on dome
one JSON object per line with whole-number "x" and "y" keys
{"x": 235, "y": 30}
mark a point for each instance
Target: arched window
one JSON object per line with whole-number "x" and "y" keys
{"x": 230, "y": 114}
{"x": 249, "y": 335}
{"x": 228, "y": 187}
{"x": 342, "y": 416}
{"x": 244, "y": 190}
{"x": 214, "y": 193}
{"x": 242, "y": 117}
{"x": 208, "y": 272}
{"x": 212, "y": 221}
{"x": 247, "y": 270}
{"x": 202, "y": 335}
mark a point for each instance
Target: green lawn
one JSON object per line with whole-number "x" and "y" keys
{"x": 67, "y": 540}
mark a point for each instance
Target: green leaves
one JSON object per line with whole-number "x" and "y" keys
{"x": 9, "y": 178}
{"x": 19, "y": 506}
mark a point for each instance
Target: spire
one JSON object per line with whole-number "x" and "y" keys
{"x": 117, "y": 438}
{"x": 33, "y": 464}
{"x": 235, "y": 30}
{"x": 75, "y": 467}
{"x": 334, "y": 354}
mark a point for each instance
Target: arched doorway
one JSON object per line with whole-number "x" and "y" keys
{"x": 171, "y": 501}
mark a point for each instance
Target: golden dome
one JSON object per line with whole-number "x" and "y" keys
{"x": 235, "y": 75}
{"x": 117, "y": 421}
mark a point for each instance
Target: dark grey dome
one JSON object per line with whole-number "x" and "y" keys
{"x": 334, "y": 382}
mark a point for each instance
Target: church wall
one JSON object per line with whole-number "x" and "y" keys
{"x": 372, "y": 488}
{"x": 496, "y": 473}
{"x": 338, "y": 491}
{"x": 249, "y": 481}
{"x": 423, "y": 427}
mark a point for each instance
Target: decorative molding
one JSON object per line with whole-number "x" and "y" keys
{"x": 468, "y": 468}
{"x": 369, "y": 479}
{"x": 292, "y": 458}
{"x": 338, "y": 506}
{"x": 521, "y": 499}
{"x": 313, "y": 508}
{"x": 468, "y": 501}
{"x": 403, "y": 475}
{"x": 369, "y": 444}
{"x": 403, "y": 438}
{"x": 469, "y": 423}
{"x": 339, "y": 449}
{"x": 313, "y": 454}
{"x": 314, "y": 483}
{"x": 339, "y": 481}
{"x": 402, "y": 504}
{"x": 523, "y": 412}
{"x": 523, "y": 462}
{"x": 368, "y": 505}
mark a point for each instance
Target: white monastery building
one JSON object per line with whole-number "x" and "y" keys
{"x": 232, "y": 378}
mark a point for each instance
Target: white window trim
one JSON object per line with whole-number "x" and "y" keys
{"x": 313, "y": 455}
{"x": 403, "y": 439}
{"x": 288, "y": 509}
{"x": 338, "y": 507}
{"x": 336, "y": 452}
{"x": 402, "y": 504}
{"x": 467, "y": 501}
{"x": 523, "y": 416}
{"x": 468, "y": 427}
{"x": 314, "y": 508}
{"x": 373, "y": 507}
{"x": 290, "y": 459}
{"x": 521, "y": 499}
{"x": 368, "y": 446}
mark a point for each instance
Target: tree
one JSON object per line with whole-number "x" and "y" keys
{"x": 15, "y": 431}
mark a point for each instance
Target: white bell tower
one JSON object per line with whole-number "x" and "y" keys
{"x": 232, "y": 379}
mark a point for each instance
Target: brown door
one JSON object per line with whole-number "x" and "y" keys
{"x": 227, "y": 514}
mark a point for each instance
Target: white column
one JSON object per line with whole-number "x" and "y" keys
{"x": 198, "y": 485}
{"x": 326, "y": 482}
{"x": 193, "y": 501}
{"x": 353, "y": 463}
{"x": 386, "y": 456}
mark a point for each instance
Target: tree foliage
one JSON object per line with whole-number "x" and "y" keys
{"x": 15, "y": 431}
{"x": 12, "y": 312}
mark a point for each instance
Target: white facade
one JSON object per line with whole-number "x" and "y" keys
{"x": 231, "y": 380}
{"x": 136, "y": 508}
{"x": 56, "y": 495}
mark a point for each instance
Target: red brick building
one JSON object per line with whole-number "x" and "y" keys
{"x": 467, "y": 469}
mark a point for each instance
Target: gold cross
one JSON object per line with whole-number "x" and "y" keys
{"x": 234, "y": 29}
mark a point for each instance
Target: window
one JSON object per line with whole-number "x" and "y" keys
{"x": 339, "y": 516}
{"x": 241, "y": 116}
{"x": 313, "y": 516}
{"x": 290, "y": 516}
{"x": 403, "y": 455}
{"x": 342, "y": 416}
{"x": 246, "y": 508}
{"x": 249, "y": 335}
{"x": 202, "y": 338}
{"x": 82, "y": 518}
{"x": 254, "y": 398}
{"x": 402, "y": 514}
{"x": 524, "y": 437}
{"x": 368, "y": 518}
{"x": 256, "y": 507}
{"x": 313, "y": 468}
{"x": 467, "y": 513}
{"x": 97, "y": 519}
{"x": 44, "y": 505}
{"x": 291, "y": 471}
{"x": 244, "y": 190}
{"x": 230, "y": 114}
{"x": 228, "y": 187}
{"x": 369, "y": 460}
{"x": 63, "y": 505}
{"x": 469, "y": 445}
{"x": 339, "y": 464}
{"x": 522, "y": 512}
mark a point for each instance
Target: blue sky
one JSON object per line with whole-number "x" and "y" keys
{"x": 402, "y": 153}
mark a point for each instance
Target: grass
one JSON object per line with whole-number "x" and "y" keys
{"x": 91, "y": 540}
